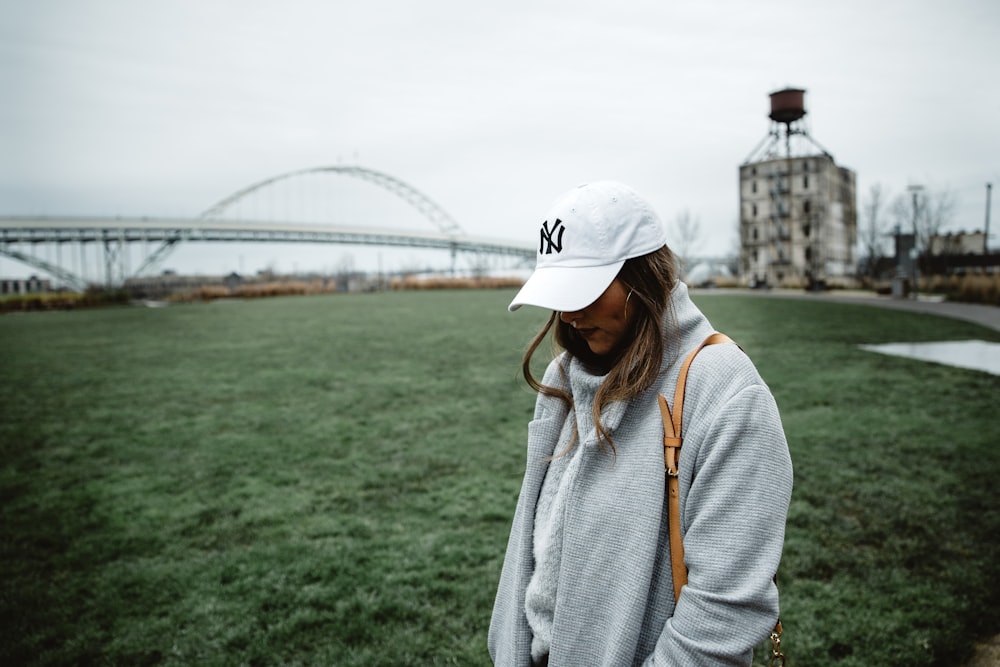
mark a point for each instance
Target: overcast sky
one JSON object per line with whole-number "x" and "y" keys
{"x": 126, "y": 107}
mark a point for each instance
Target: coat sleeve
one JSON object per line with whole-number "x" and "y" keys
{"x": 736, "y": 481}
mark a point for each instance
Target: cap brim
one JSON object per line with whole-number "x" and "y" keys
{"x": 565, "y": 289}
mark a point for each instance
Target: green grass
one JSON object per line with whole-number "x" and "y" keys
{"x": 330, "y": 480}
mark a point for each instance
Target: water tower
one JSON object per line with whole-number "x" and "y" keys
{"x": 788, "y": 105}
{"x": 787, "y": 111}
{"x": 797, "y": 207}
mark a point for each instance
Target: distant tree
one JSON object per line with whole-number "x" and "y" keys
{"x": 479, "y": 264}
{"x": 344, "y": 271}
{"x": 687, "y": 237}
{"x": 923, "y": 213}
{"x": 344, "y": 268}
{"x": 939, "y": 213}
{"x": 269, "y": 272}
{"x": 735, "y": 250}
{"x": 873, "y": 228}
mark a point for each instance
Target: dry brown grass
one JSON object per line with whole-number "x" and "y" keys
{"x": 455, "y": 283}
{"x": 61, "y": 300}
{"x": 970, "y": 288}
{"x": 203, "y": 293}
{"x": 730, "y": 281}
{"x": 255, "y": 290}
{"x": 293, "y": 287}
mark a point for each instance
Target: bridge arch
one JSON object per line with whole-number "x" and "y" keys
{"x": 116, "y": 234}
{"x": 418, "y": 200}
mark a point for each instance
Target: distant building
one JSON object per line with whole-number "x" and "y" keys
{"x": 798, "y": 211}
{"x": 33, "y": 285}
{"x": 958, "y": 253}
{"x": 958, "y": 243}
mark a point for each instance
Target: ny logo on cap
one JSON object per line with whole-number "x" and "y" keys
{"x": 548, "y": 244}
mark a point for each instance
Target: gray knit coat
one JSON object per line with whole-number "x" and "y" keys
{"x": 615, "y": 601}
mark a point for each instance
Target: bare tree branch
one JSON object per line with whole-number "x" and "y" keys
{"x": 940, "y": 209}
{"x": 873, "y": 228}
{"x": 687, "y": 234}
{"x": 924, "y": 213}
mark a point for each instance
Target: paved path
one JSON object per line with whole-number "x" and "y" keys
{"x": 988, "y": 316}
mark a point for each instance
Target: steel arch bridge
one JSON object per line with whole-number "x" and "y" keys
{"x": 115, "y": 233}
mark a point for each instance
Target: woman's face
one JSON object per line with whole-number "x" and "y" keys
{"x": 603, "y": 323}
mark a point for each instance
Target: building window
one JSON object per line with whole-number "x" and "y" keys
{"x": 805, "y": 181}
{"x": 806, "y": 206}
{"x": 754, "y": 233}
{"x": 753, "y": 186}
{"x": 755, "y": 210}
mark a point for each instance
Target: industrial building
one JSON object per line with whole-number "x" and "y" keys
{"x": 798, "y": 210}
{"x": 33, "y": 285}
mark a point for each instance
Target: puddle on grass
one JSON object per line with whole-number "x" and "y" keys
{"x": 975, "y": 354}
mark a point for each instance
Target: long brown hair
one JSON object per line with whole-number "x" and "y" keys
{"x": 635, "y": 365}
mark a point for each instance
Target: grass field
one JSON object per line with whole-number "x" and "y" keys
{"x": 329, "y": 480}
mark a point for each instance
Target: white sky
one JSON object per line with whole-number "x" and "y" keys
{"x": 125, "y": 107}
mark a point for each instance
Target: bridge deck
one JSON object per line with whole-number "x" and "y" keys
{"x": 39, "y": 229}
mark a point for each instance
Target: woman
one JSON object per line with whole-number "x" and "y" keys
{"x": 586, "y": 578}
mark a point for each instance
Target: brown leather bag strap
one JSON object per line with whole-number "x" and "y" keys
{"x": 672, "y": 441}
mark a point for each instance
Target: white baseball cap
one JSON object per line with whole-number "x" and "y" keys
{"x": 584, "y": 241}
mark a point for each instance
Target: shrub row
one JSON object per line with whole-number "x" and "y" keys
{"x": 62, "y": 300}
{"x": 455, "y": 283}
{"x": 970, "y": 288}
{"x": 254, "y": 291}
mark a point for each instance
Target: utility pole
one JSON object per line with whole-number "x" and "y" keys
{"x": 915, "y": 189}
{"x": 986, "y": 232}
